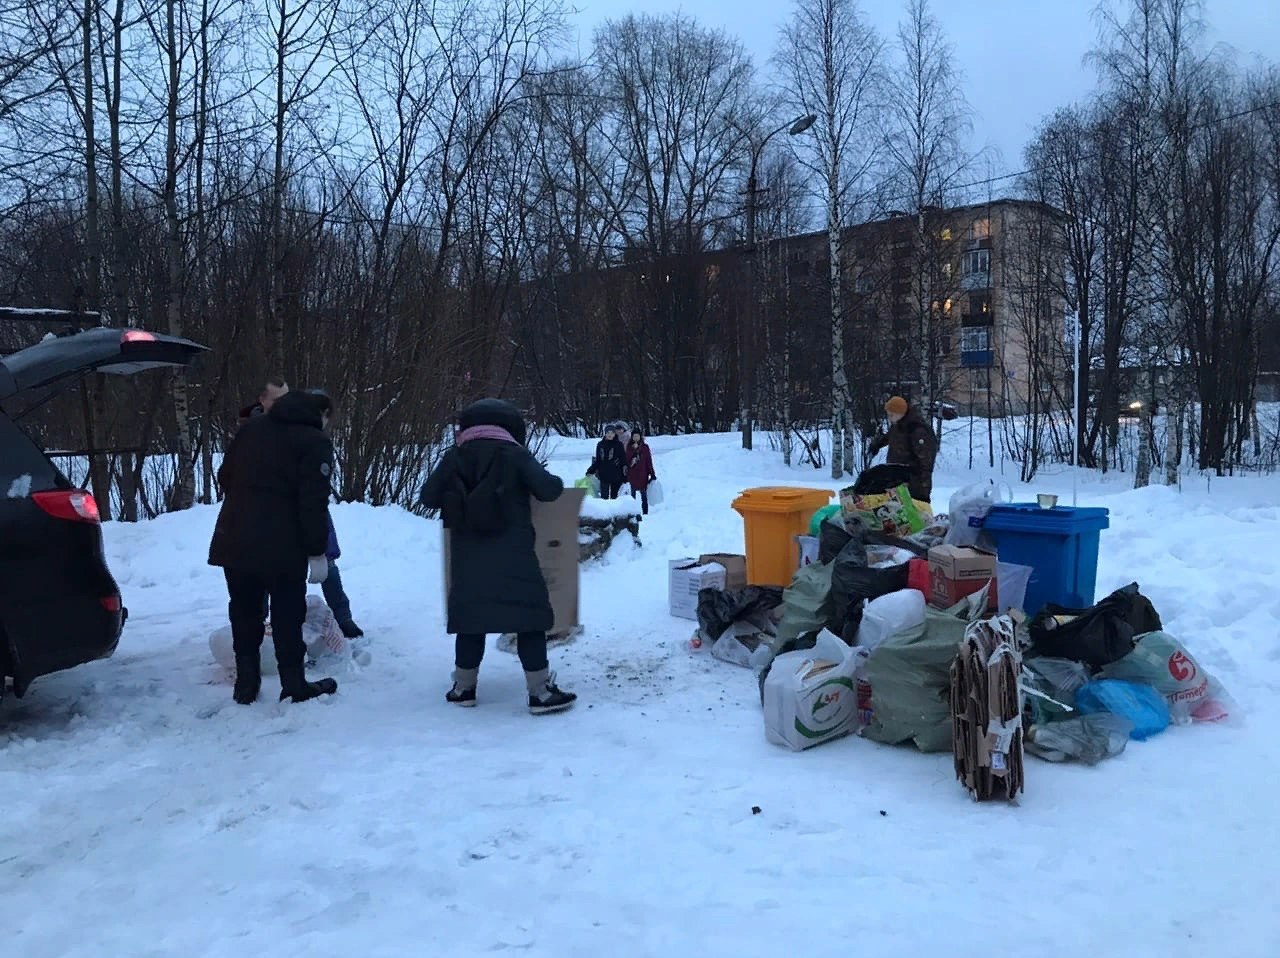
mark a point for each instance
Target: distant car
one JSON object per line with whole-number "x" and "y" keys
{"x": 59, "y": 605}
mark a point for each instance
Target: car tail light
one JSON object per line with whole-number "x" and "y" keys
{"x": 110, "y": 602}
{"x": 75, "y": 505}
{"x": 137, "y": 336}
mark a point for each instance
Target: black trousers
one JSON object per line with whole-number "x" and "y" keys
{"x": 248, "y": 594}
{"x": 610, "y": 488}
{"x": 468, "y": 650}
{"x": 644, "y": 498}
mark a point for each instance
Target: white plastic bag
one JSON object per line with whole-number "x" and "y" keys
{"x": 968, "y": 509}
{"x": 888, "y": 615}
{"x": 1162, "y": 662}
{"x": 810, "y": 696}
{"x": 655, "y": 493}
{"x": 320, "y": 632}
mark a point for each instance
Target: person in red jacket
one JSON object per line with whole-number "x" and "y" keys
{"x": 640, "y": 468}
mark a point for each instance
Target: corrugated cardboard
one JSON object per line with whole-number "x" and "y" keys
{"x": 735, "y": 567}
{"x": 688, "y": 577}
{"x": 555, "y": 529}
{"x": 956, "y": 572}
{"x": 986, "y": 709}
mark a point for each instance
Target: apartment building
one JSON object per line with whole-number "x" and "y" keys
{"x": 968, "y": 299}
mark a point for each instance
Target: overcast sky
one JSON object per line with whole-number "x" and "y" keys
{"x": 1020, "y": 59}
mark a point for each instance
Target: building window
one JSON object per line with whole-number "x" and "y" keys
{"x": 981, "y": 229}
{"x": 864, "y": 284}
{"x": 980, "y": 304}
{"x": 975, "y": 339}
{"x": 946, "y": 234}
{"x": 947, "y": 270}
{"x": 977, "y": 261}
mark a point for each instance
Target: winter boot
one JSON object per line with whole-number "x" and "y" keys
{"x": 544, "y": 697}
{"x": 248, "y": 679}
{"x": 463, "y": 692}
{"x": 294, "y": 686}
{"x": 351, "y": 630}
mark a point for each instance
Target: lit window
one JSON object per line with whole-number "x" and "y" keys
{"x": 946, "y": 306}
{"x": 947, "y": 270}
{"x": 946, "y": 234}
{"x": 980, "y": 229}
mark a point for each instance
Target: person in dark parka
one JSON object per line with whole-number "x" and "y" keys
{"x": 271, "y": 536}
{"x": 609, "y": 464}
{"x": 911, "y": 443}
{"x": 335, "y": 595}
{"x": 482, "y": 488}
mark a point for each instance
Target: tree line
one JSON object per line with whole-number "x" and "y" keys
{"x": 416, "y": 202}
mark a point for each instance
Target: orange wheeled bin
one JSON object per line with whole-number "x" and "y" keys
{"x": 774, "y": 516}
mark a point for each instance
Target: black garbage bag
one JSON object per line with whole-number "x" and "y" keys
{"x": 717, "y": 609}
{"x": 1096, "y": 636}
{"x": 880, "y": 479}
{"x": 852, "y": 583}
{"x": 833, "y": 537}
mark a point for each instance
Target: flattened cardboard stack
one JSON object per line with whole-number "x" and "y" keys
{"x": 986, "y": 710}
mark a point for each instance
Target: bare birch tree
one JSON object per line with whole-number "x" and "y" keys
{"x": 830, "y": 65}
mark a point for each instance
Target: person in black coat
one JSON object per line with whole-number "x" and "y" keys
{"x": 482, "y": 487}
{"x": 609, "y": 464}
{"x": 271, "y": 536}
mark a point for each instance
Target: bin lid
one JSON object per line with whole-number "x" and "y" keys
{"x": 1060, "y": 520}
{"x": 781, "y": 499}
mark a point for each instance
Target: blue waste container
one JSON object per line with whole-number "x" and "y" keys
{"x": 1060, "y": 545}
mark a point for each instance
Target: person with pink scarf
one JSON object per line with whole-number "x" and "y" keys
{"x": 482, "y": 488}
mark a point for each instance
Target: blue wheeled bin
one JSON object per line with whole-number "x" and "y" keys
{"x": 1060, "y": 544}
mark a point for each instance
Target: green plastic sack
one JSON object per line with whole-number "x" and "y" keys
{"x": 910, "y": 679}
{"x": 826, "y": 512}
{"x": 806, "y": 604}
{"x": 588, "y": 483}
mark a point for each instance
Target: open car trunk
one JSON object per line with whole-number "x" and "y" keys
{"x": 103, "y": 350}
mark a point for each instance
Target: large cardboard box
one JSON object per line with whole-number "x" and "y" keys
{"x": 688, "y": 577}
{"x": 735, "y": 568}
{"x": 555, "y": 529}
{"x": 956, "y": 572}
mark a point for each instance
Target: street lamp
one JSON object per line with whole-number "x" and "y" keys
{"x": 746, "y": 403}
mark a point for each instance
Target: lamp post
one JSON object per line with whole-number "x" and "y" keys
{"x": 746, "y": 403}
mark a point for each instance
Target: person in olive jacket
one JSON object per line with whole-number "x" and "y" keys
{"x": 271, "y": 536}
{"x": 911, "y": 443}
{"x": 609, "y": 464}
{"x": 482, "y": 488}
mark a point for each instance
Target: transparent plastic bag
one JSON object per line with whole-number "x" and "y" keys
{"x": 968, "y": 510}
{"x": 1088, "y": 738}
{"x": 1063, "y": 677}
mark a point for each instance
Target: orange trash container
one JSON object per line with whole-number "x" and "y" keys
{"x": 774, "y": 516}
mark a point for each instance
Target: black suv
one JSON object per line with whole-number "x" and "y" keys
{"x": 59, "y": 605}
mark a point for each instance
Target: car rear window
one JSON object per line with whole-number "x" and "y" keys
{"x": 24, "y": 469}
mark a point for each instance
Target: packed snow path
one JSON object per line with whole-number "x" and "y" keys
{"x": 147, "y": 815}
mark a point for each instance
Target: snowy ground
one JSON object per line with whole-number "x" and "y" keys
{"x": 145, "y": 815}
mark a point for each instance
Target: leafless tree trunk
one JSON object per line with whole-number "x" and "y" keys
{"x": 830, "y": 58}
{"x": 926, "y": 123}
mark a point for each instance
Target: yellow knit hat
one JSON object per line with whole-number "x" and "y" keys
{"x": 897, "y": 406}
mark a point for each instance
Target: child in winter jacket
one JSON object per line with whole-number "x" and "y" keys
{"x": 640, "y": 468}
{"x": 609, "y": 464}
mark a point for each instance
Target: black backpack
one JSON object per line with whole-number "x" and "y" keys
{"x": 1097, "y": 636}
